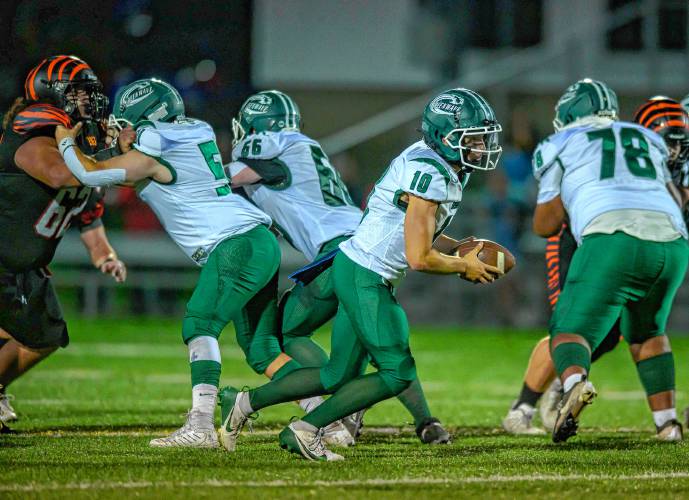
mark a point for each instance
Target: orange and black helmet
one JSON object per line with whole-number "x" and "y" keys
{"x": 56, "y": 80}
{"x": 668, "y": 118}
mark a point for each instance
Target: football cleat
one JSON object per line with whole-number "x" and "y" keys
{"x": 548, "y": 407}
{"x": 570, "y": 407}
{"x": 7, "y": 413}
{"x": 306, "y": 443}
{"x": 232, "y": 416}
{"x": 519, "y": 421}
{"x": 195, "y": 433}
{"x": 336, "y": 434}
{"x": 670, "y": 431}
{"x": 431, "y": 431}
{"x": 354, "y": 423}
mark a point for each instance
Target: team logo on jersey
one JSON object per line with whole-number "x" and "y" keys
{"x": 447, "y": 104}
{"x": 136, "y": 94}
{"x": 258, "y": 104}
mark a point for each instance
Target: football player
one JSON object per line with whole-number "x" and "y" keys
{"x": 39, "y": 199}
{"x": 408, "y": 210}
{"x": 288, "y": 176}
{"x": 176, "y": 167}
{"x": 664, "y": 116}
{"x": 612, "y": 181}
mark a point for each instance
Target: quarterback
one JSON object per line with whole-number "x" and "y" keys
{"x": 612, "y": 181}
{"x": 408, "y": 210}
{"x": 288, "y": 176}
{"x": 176, "y": 168}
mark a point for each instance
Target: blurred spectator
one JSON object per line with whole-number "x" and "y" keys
{"x": 348, "y": 167}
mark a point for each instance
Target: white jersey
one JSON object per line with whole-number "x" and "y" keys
{"x": 599, "y": 168}
{"x": 378, "y": 243}
{"x": 310, "y": 204}
{"x": 197, "y": 208}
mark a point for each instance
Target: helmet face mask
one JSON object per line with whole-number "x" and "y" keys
{"x": 461, "y": 127}
{"x": 70, "y": 84}
{"x": 586, "y": 98}
{"x": 266, "y": 111}
{"x": 483, "y": 157}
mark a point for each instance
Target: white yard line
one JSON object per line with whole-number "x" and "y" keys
{"x": 219, "y": 483}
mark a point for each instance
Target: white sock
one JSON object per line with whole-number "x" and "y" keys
{"x": 661, "y": 417}
{"x": 204, "y": 398}
{"x": 310, "y": 404}
{"x": 244, "y": 403}
{"x": 571, "y": 380}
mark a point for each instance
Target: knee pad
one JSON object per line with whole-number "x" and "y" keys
{"x": 398, "y": 379}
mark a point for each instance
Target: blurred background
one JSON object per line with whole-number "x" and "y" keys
{"x": 361, "y": 71}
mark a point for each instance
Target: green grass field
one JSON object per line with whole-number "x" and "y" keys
{"x": 88, "y": 413}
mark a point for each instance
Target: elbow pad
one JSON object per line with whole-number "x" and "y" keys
{"x": 92, "y": 179}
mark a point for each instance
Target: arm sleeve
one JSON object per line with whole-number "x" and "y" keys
{"x": 92, "y": 179}
{"x": 549, "y": 183}
{"x": 426, "y": 179}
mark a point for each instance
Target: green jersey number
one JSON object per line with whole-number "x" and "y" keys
{"x": 252, "y": 147}
{"x": 635, "y": 149}
{"x": 211, "y": 154}
{"x": 335, "y": 193}
{"x": 420, "y": 182}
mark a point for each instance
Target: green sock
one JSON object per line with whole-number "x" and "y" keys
{"x": 571, "y": 354}
{"x": 414, "y": 400}
{"x": 657, "y": 374}
{"x": 305, "y": 351}
{"x": 355, "y": 395}
{"x": 205, "y": 372}
{"x": 299, "y": 384}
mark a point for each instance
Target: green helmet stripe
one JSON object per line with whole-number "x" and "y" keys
{"x": 599, "y": 92}
{"x": 285, "y": 105}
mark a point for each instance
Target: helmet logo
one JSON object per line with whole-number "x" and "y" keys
{"x": 569, "y": 94}
{"x": 258, "y": 104}
{"x": 135, "y": 94}
{"x": 447, "y": 104}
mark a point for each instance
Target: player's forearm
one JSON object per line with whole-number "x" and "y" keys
{"x": 86, "y": 170}
{"x": 98, "y": 246}
{"x": 434, "y": 262}
{"x": 445, "y": 244}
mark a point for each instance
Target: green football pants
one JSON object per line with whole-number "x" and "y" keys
{"x": 239, "y": 283}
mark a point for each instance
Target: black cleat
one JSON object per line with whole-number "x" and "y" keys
{"x": 570, "y": 407}
{"x": 431, "y": 431}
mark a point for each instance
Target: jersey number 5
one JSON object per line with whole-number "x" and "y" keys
{"x": 635, "y": 152}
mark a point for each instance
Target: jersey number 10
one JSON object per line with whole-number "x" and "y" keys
{"x": 635, "y": 149}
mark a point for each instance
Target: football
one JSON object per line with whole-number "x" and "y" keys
{"x": 492, "y": 253}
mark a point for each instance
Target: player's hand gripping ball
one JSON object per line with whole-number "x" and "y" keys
{"x": 492, "y": 253}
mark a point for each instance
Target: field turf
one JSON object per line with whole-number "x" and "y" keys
{"x": 88, "y": 413}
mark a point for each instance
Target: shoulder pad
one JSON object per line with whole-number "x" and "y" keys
{"x": 38, "y": 116}
{"x": 148, "y": 141}
{"x": 260, "y": 146}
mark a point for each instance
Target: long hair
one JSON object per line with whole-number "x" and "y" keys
{"x": 17, "y": 106}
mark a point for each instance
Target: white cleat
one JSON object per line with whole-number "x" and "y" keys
{"x": 519, "y": 421}
{"x": 309, "y": 445}
{"x": 548, "y": 406}
{"x": 233, "y": 417}
{"x": 196, "y": 432}
{"x": 336, "y": 434}
{"x": 670, "y": 431}
{"x": 7, "y": 413}
{"x": 570, "y": 407}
